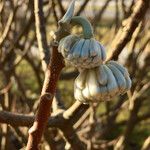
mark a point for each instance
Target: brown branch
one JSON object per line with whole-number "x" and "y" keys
{"x": 8, "y": 25}
{"x": 50, "y": 140}
{"x": 18, "y": 133}
{"x": 143, "y": 117}
{"x": 130, "y": 9}
{"x": 124, "y": 8}
{"x": 82, "y": 7}
{"x": 125, "y": 33}
{"x": 72, "y": 138}
{"x": 62, "y": 121}
{"x": 69, "y": 75}
{"x": 1, "y": 6}
{"x": 54, "y": 11}
{"x": 52, "y": 74}
{"x": 48, "y": 91}
{"x": 58, "y": 121}
{"x": 23, "y": 32}
{"x": 15, "y": 119}
{"x": 61, "y": 7}
{"x": 146, "y": 144}
{"x": 116, "y": 15}
{"x": 35, "y": 69}
{"x": 98, "y": 16}
{"x": 41, "y": 33}
{"x": 127, "y": 11}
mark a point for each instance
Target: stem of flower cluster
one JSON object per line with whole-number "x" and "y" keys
{"x": 86, "y": 25}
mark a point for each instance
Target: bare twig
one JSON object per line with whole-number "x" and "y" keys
{"x": 82, "y": 7}
{"x": 146, "y": 145}
{"x": 8, "y": 25}
{"x": 98, "y": 16}
{"x": 41, "y": 33}
{"x": 61, "y": 7}
{"x": 125, "y": 33}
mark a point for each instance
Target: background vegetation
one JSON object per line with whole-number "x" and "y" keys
{"x": 123, "y": 27}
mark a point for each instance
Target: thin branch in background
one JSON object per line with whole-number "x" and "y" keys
{"x": 50, "y": 139}
{"x": 51, "y": 77}
{"x": 54, "y": 11}
{"x": 98, "y": 16}
{"x": 130, "y": 9}
{"x": 5, "y": 129}
{"x": 41, "y": 33}
{"x": 1, "y": 14}
{"x": 143, "y": 46}
{"x": 132, "y": 45}
{"x": 146, "y": 145}
{"x": 19, "y": 134}
{"x": 125, "y": 33}
{"x": 73, "y": 122}
{"x": 16, "y": 119}
{"x": 82, "y": 7}
{"x": 36, "y": 70}
{"x": 62, "y": 9}
{"x": 8, "y": 25}
{"x": 116, "y": 16}
{"x": 48, "y": 91}
{"x": 124, "y": 8}
{"x": 1, "y": 6}
{"x": 24, "y": 32}
{"x": 4, "y": 138}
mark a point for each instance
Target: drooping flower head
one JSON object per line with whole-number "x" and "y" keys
{"x": 97, "y": 80}
{"x": 102, "y": 83}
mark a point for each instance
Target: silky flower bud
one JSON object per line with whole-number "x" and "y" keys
{"x": 81, "y": 52}
{"x": 102, "y": 83}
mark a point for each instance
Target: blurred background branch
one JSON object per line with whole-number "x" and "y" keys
{"x": 123, "y": 123}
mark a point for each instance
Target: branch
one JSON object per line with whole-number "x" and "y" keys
{"x": 61, "y": 7}
{"x": 69, "y": 75}
{"x": 23, "y": 32}
{"x": 82, "y": 7}
{"x": 51, "y": 77}
{"x": 41, "y": 33}
{"x": 48, "y": 91}
{"x": 35, "y": 69}
{"x": 8, "y": 25}
{"x": 63, "y": 121}
{"x": 98, "y": 16}
{"x": 146, "y": 144}
{"x": 15, "y": 119}
{"x": 125, "y": 33}
{"x": 116, "y": 15}
{"x": 54, "y": 12}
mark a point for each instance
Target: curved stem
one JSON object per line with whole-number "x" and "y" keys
{"x": 86, "y": 25}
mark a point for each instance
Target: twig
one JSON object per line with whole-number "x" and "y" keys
{"x": 69, "y": 75}
{"x": 116, "y": 15}
{"x": 54, "y": 11}
{"x": 98, "y": 16}
{"x": 8, "y": 25}
{"x": 41, "y": 33}
{"x": 48, "y": 91}
{"x": 61, "y": 7}
{"x": 82, "y": 7}
{"x": 52, "y": 74}
{"x": 125, "y": 33}
{"x": 146, "y": 145}
{"x": 35, "y": 69}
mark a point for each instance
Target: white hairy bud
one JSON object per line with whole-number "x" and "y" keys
{"x": 102, "y": 83}
{"x": 82, "y": 53}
